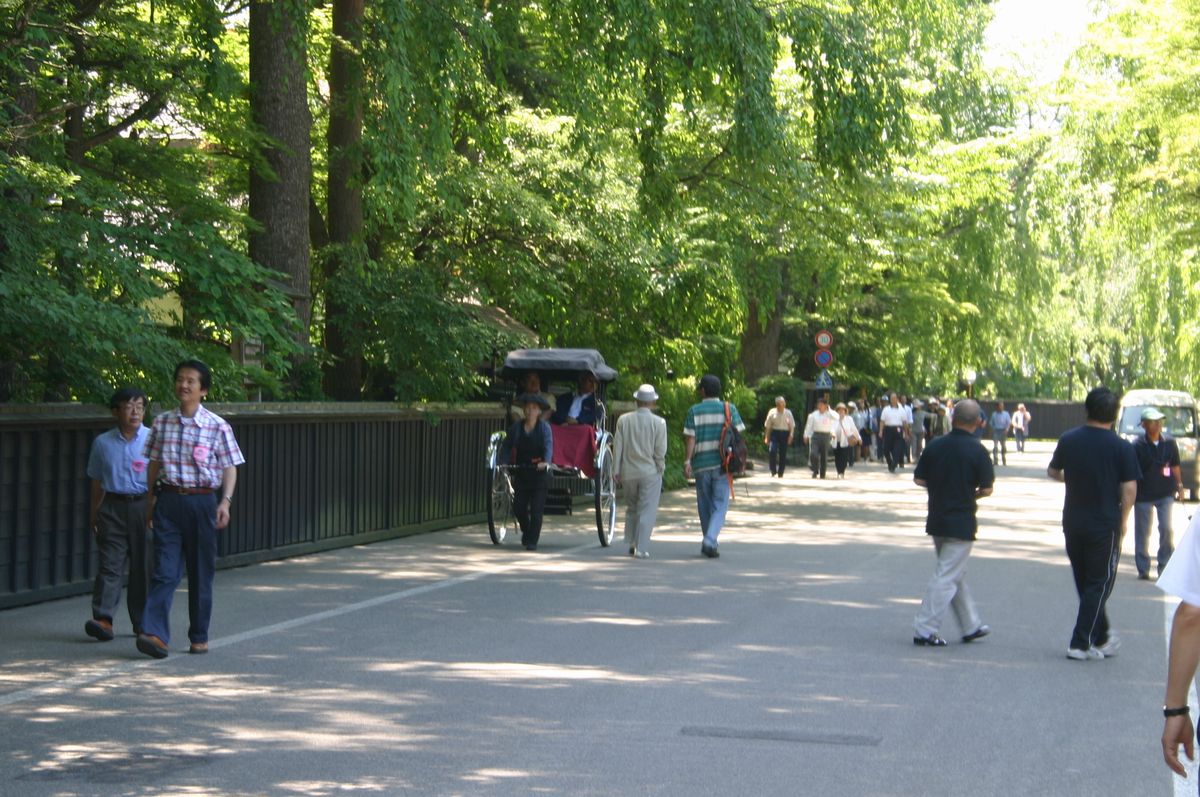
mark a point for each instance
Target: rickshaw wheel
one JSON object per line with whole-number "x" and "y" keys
{"x": 605, "y": 493}
{"x": 500, "y": 499}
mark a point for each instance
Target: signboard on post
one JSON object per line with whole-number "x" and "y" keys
{"x": 823, "y": 339}
{"x": 824, "y": 380}
{"x": 823, "y": 358}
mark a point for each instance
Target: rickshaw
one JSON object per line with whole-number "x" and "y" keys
{"x": 578, "y": 454}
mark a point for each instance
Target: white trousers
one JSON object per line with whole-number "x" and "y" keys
{"x": 948, "y": 588}
{"x": 641, "y": 509}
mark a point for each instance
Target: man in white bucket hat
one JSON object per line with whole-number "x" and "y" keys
{"x": 640, "y": 456}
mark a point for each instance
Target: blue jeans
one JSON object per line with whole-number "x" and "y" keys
{"x": 1141, "y": 533}
{"x": 185, "y": 539}
{"x": 712, "y": 500}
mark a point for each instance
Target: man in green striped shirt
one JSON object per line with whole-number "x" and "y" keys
{"x": 702, "y": 460}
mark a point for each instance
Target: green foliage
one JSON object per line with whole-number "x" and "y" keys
{"x": 689, "y": 187}
{"x": 793, "y": 390}
{"x": 121, "y": 244}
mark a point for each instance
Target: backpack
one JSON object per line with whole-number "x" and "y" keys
{"x": 733, "y": 447}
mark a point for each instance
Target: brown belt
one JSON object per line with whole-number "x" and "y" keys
{"x": 174, "y": 488}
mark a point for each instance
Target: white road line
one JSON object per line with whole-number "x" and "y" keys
{"x": 1182, "y": 787}
{"x": 74, "y": 682}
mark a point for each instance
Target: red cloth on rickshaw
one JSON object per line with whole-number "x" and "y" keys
{"x": 575, "y": 447}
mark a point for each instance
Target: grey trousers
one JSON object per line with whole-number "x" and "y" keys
{"x": 122, "y": 536}
{"x": 1142, "y": 515}
{"x": 641, "y": 509}
{"x": 818, "y": 453}
{"x": 948, "y": 588}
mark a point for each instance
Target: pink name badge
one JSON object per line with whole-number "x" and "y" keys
{"x": 1166, "y": 470}
{"x": 139, "y": 465}
{"x": 200, "y": 454}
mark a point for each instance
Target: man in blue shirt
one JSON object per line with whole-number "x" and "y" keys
{"x": 117, "y": 467}
{"x": 702, "y": 459}
{"x": 1000, "y": 421}
{"x": 1157, "y": 490}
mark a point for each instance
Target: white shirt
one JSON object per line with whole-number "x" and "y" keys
{"x": 893, "y": 416}
{"x": 1181, "y": 576}
{"x": 577, "y": 406}
{"x": 843, "y": 431}
{"x": 820, "y": 422}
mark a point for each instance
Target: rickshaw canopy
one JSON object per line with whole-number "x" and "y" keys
{"x": 557, "y": 364}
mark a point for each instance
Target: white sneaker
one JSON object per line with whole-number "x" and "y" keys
{"x": 1091, "y": 654}
{"x": 1110, "y": 647}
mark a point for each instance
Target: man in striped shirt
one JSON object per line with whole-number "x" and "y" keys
{"x": 192, "y": 474}
{"x": 702, "y": 459}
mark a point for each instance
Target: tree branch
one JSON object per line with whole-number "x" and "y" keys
{"x": 149, "y": 109}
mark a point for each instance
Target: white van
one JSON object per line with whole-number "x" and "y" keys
{"x": 1180, "y": 423}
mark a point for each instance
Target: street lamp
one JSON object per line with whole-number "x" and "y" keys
{"x": 969, "y": 377}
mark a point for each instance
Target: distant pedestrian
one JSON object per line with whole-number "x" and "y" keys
{"x": 196, "y": 455}
{"x": 818, "y": 430}
{"x": 845, "y": 440}
{"x": 939, "y": 421}
{"x": 893, "y": 423}
{"x": 778, "y": 432}
{"x": 957, "y": 473}
{"x": 639, "y": 458}
{"x": 917, "y": 431}
{"x": 876, "y": 430}
{"x": 1000, "y": 420}
{"x": 529, "y": 447}
{"x": 1021, "y": 421}
{"x": 702, "y": 459}
{"x": 860, "y": 424}
{"x": 1158, "y": 489}
{"x": 1101, "y": 474}
{"x": 906, "y": 403}
{"x": 117, "y": 468}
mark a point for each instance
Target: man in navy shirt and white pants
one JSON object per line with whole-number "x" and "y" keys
{"x": 957, "y": 472}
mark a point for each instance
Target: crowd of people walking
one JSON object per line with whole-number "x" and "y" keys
{"x": 892, "y": 429}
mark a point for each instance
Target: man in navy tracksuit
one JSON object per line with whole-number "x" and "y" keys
{"x": 1101, "y": 473}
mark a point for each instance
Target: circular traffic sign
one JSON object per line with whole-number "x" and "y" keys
{"x": 823, "y": 358}
{"x": 824, "y": 339}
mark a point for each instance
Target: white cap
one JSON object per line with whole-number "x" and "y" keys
{"x": 646, "y": 394}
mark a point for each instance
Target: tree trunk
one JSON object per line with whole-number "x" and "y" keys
{"x": 279, "y": 183}
{"x": 344, "y": 375}
{"x": 66, "y": 261}
{"x": 760, "y": 343}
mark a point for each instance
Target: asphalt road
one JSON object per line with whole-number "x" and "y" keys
{"x": 441, "y": 664}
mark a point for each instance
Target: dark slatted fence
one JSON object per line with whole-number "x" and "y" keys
{"x": 1050, "y": 418}
{"x": 316, "y": 476}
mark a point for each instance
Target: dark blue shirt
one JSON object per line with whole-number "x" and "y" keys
{"x": 953, "y": 467}
{"x": 517, "y": 434}
{"x": 1095, "y": 462}
{"x": 1153, "y": 459}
